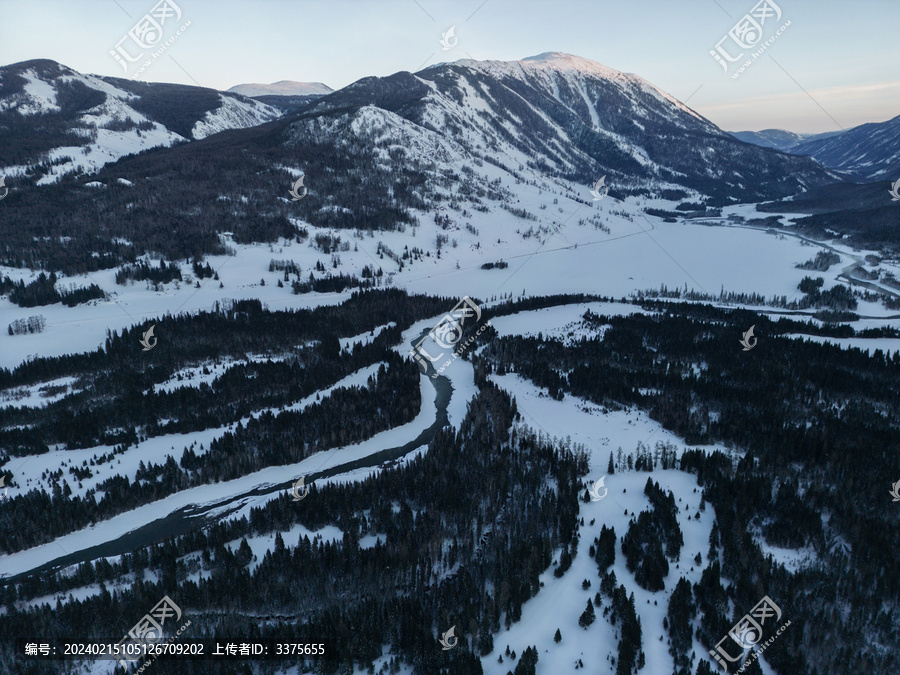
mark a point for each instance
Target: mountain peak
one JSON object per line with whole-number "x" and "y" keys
{"x": 45, "y": 68}
{"x": 558, "y": 61}
{"x": 562, "y": 61}
{"x": 561, "y": 58}
{"x": 551, "y": 66}
{"x": 45, "y": 102}
{"x": 551, "y": 56}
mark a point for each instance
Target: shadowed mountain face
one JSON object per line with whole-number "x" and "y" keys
{"x": 869, "y": 151}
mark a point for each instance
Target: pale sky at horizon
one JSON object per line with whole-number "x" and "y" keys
{"x": 834, "y": 67}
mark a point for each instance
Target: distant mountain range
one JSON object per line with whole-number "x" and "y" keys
{"x": 285, "y": 95}
{"x": 282, "y": 88}
{"x": 779, "y": 139}
{"x": 868, "y": 152}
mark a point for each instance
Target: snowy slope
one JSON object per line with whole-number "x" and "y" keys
{"x": 233, "y": 113}
{"x": 561, "y": 601}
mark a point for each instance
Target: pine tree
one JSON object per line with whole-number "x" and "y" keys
{"x": 557, "y": 637}
{"x": 587, "y": 616}
{"x": 610, "y": 468}
{"x": 713, "y": 542}
{"x": 606, "y": 549}
{"x": 527, "y": 663}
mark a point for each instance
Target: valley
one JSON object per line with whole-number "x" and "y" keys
{"x": 185, "y": 336}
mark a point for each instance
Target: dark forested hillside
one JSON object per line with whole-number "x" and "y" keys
{"x": 118, "y": 402}
{"x": 815, "y": 429}
{"x": 468, "y": 550}
{"x": 331, "y": 591}
{"x": 233, "y": 177}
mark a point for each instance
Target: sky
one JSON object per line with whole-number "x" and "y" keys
{"x": 833, "y": 66}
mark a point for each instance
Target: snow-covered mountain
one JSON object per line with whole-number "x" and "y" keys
{"x": 54, "y": 120}
{"x": 385, "y": 153}
{"x": 571, "y": 117}
{"x": 869, "y": 151}
{"x": 282, "y": 88}
{"x": 555, "y": 113}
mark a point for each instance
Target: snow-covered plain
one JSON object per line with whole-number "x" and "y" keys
{"x": 638, "y": 255}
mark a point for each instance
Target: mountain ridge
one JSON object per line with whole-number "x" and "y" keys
{"x": 281, "y": 88}
{"x": 870, "y": 151}
{"x": 571, "y": 117}
{"x": 55, "y": 120}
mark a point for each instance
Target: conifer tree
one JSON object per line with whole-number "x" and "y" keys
{"x": 587, "y": 616}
